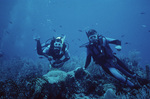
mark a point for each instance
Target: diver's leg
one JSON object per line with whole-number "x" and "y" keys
{"x": 118, "y": 76}
{"x": 39, "y": 48}
{"x": 111, "y": 64}
{"x": 120, "y": 63}
{"x": 124, "y": 71}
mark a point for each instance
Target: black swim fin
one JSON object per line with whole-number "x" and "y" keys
{"x": 143, "y": 81}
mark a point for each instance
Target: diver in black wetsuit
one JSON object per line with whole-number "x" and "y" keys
{"x": 54, "y": 51}
{"x": 98, "y": 48}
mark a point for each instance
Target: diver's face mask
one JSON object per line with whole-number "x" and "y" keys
{"x": 93, "y": 38}
{"x": 57, "y": 47}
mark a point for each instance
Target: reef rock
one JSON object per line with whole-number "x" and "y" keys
{"x": 110, "y": 94}
{"x": 55, "y": 76}
{"x": 58, "y": 84}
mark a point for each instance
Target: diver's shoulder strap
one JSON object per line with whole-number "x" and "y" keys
{"x": 102, "y": 40}
{"x": 64, "y": 48}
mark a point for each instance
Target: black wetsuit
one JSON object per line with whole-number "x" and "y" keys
{"x": 103, "y": 55}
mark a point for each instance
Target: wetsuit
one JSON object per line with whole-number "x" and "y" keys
{"x": 49, "y": 51}
{"x": 103, "y": 55}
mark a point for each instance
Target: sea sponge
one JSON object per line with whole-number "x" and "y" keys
{"x": 110, "y": 94}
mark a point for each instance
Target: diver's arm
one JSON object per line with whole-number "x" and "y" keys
{"x": 57, "y": 65}
{"x": 88, "y": 59}
{"x": 45, "y": 53}
{"x": 67, "y": 56}
{"x": 46, "y": 50}
{"x": 113, "y": 41}
{"x": 39, "y": 47}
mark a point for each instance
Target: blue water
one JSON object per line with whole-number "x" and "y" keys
{"x": 127, "y": 20}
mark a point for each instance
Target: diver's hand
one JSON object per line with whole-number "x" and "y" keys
{"x": 36, "y": 37}
{"x": 52, "y": 62}
{"x": 58, "y": 61}
{"x": 50, "y": 58}
{"x": 57, "y": 65}
{"x": 118, "y": 47}
{"x": 84, "y": 68}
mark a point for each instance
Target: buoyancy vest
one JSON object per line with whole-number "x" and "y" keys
{"x": 53, "y": 53}
{"x": 101, "y": 50}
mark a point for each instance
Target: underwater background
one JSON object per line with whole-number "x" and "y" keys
{"x": 22, "y": 20}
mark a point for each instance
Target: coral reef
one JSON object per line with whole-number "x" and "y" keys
{"x": 23, "y": 78}
{"x": 147, "y": 72}
{"x": 110, "y": 94}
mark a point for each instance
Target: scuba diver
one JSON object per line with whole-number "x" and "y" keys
{"x": 98, "y": 48}
{"x": 56, "y": 51}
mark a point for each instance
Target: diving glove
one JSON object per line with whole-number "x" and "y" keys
{"x": 118, "y": 47}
